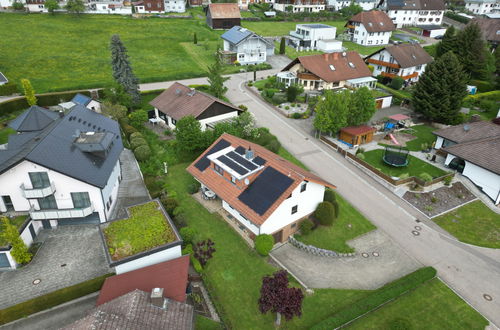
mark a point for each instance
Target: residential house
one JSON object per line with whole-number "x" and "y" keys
{"x": 243, "y": 4}
{"x": 108, "y": 7}
{"x": 370, "y": 28}
{"x": 482, "y": 7}
{"x": 223, "y": 15}
{"x": 490, "y": 28}
{"x": 433, "y": 31}
{"x": 472, "y": 149}
{"x": 160, "y": 6}
{"x": 246, "y": 47}
{"x": 3, "y": 79}
{"x": 414, "y": 12}
{"x": 138, "y": 310}
{"x": 84, "y": 100}
{"x": 36, "y": 6}
{"x": 179, "y": 101}
{"x": 198, "y": 3}
{"x": 263, "y": 192}
{"x": 316, "y": 37}
{"x": 62, "y": 169}
{"x": 330, "y": 71}
{"x": 300, "y": 6}
{"x": 339, "y": 4}
{"x": 407, "y": 61}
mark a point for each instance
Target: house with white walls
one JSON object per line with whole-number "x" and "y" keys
{"x": 339, "y": 4}
{"x": 482, "y": 7}
{"x": 61, "y": 169}
{"x": 300, "y": 6}
{"x": 472, "y": 149}
{"x": 179, "y": 101}
{"x": 369, "y": 28}
{"x": 265, "y": 193}
{"x": 108, "y": 7}
{"x": 159, "y": 6}
{"x": 414, "y": 12}
{"x": 84, "y": 100}
{"x": 407, "y": 61}
{"x": 245, "y": 46}
{"x": 315, "y": 37}
{"x": 27, "y": 231}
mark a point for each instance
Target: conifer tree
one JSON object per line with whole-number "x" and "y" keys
{"x": 473, "y": 53}
{"x": 195, "y": 39}
{"x": 215, "y": 78}
{"x": 29, "y": 92}
{"x": 282, "y": 46}
{"x": 122, "y": 71}
{"x": 449, "y": 42}
{"x": 440, "y": 90}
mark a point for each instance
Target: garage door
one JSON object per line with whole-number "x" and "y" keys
{"x": 4, "y": 261}
{"x": 91, "y": 219}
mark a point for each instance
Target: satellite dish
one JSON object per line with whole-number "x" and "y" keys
{"x": 247, "y": 182}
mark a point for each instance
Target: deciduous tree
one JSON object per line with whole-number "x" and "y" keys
{"x": 75, "y": 6}
{"x": 122, "y": 71}
{"x": 114, "y": 111}
{"x": 331, "y": 111}
{"x": 215, "y": 78}
{"x": 362, "y": 107}
{"x": 19, "y": 250}
{"x": 52, "y": 5}
{"x": 29, "y": 92}
{"x": 188, "y": 134}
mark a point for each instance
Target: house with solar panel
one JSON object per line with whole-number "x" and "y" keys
{"x": 84, "y": 100}
{"x": 245, "y": 46}
{"x": 61, "y": 168}
{"x": 265, "y": 193}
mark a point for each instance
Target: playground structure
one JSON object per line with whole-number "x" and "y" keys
{"x": 397, "y": 157}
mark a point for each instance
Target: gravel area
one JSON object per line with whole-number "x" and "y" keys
{"x": 438, "y": 201}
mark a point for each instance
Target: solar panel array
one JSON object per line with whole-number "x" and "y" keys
{"x": 204, "y": 162}
{"x": 241, "y": 160}
{"x": 233, "y": 165}
{"x": 265, "y": 190}
{"x": 240, "y": 150}
{"x": 259, "y": 161}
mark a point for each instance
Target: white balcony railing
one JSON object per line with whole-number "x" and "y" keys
{"x": 299, "y": 36}
{"x": 61, "y": 213}
{"x": 38, "y": 192}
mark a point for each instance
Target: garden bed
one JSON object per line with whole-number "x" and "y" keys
{"x": 440, "y": 200}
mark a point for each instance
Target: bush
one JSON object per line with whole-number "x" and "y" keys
{"x": 336, "y": 209}
{"x": 168, "y": 132}
{"x": 306, "y": 227}
{"x": 396, "y": 83}
{"x": 136, "y": 135}
{"x": 169, "y": 204}
{"x": 16, "y": 5}
{"x": 196, "y": 264}
{"x": 361, "y": 156}
{"x": 273, "y": 146}
{"x": 187, "y": 234}
{"x": 193, "y": 187}
{"x": 188, "y": 249}
{"x": 287, "y": 107}
{"x": 447, "y": 180}
{"x": 325, "y": 213}
{"x": 329, "y": 196}
{"x": 425, "y": 176}
{"x": 138, "y": 118}
{"x": 9, "y": 88}
{"x": 296, "y": 115}
{"x": 243, "y": 107}
{"x": 128, "y": 130}
{"x": 180, "y": 220}
{"x": 137, "y": 142}
{"x": 404, "y": 176}
{"x": 142, "y": 153}
{"x": 278, "y": 98}
{"x": 379, "y": 297}
{"x": 482, "y": 86}
{"x": 263, "y": 244}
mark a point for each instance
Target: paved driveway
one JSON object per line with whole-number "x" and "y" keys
{"x": 79, "y": 248}
{"x": 385, "y": 262}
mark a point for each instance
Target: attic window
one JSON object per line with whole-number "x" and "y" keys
{"x": 382, "y": 23}
{"x": 414, "y": 57}
{"x": 370, "y": 24}
{"x": 332, "y": 67}
{"x": 352, "y": 65}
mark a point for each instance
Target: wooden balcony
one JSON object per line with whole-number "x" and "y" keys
{"x": 392, "y": 75}
{"x": 387, "y": 64}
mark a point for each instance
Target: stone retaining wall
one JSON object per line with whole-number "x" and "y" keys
{"x": 317, "y": 251}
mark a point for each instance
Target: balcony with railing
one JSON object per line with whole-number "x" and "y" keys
{"x": 299, "y": 36}
{"x": 61, "y": 213}
{"x": 38, "y": 192}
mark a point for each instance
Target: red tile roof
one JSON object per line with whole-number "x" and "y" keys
{"x": 374, "y": 21}
{"x": 358, "y": 130}
{"x": 170, "y": 275}
{"x": 224, "y": 10}
{"x": 230, "y": 192}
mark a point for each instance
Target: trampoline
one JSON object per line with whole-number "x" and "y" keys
{"x": 397, "y": 157}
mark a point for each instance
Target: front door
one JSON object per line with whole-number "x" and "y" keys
{"x": 46, "y": 224}
{"x": 278, "y": 236}
{"x": 7, "y": 201}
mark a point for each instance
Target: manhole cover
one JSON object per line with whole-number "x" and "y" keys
{"x": 365, "y": 255}
{"x": 416, "y": 220}
{"x": 487, "y": 297}
{"x": 418, "y": 228}
{"x": 37, "y": 281}
{"x": 375, "y": 254}
{"x": 414, "y": 232}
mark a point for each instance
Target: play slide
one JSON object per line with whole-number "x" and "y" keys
{"x": 393, "y": 139}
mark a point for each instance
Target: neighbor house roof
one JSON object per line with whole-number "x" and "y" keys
{"x": 135, "y": 311}
{"x": 224, "y": 10}
{"x": 407, "y": 55}
{"x": 490, "y": 28}
{"x": 33, "y": 119}
{"x": 272, "y": 178}
{"x": 480, "y": 152}
{"x": 470, "y": 131}
{"x": 55, "y": 147}
{"x": 358, "y": 130}
{"x": 81, "y": 99}
{"x": 415, "y": 4}
{"x": 333, "y": 67}
{"x": 374, "y": 21}
{"x": 179, "y": 101}
{"x": 170, "y": 275}
{"x": 237, "y": 34}
{"x": 3, "y": 78}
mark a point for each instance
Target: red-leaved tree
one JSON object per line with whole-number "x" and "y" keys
{"x": 277, "y": 297}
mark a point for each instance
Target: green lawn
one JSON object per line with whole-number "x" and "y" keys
{"x": 423, "y": 134}
{"x": 4, "y": 134}
{"x": 473, "y": 223}
{"x": 415, "y": 166}
{"x": 203, "y": 323}
{"x": 335, "y": 237}
{"x": 431, "y": 306}
{"x": 283, "y": 28}
{"x": 363, "y": 50}
{"x": 16, "y": 221}
{"x": 402, "y": 94}
{"x": 291, "y": 53}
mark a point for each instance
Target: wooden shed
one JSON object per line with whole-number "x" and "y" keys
{"x": 223, "y": 15}
{"x": 356, "y": 135}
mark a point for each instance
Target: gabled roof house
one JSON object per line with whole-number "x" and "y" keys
{"x": 245, "y": 46}
{"x": 223, "y": 15}
{"x": 265, "y": 193}
{"x": 407, "y": 61}
{"x": 415, "y": 12}
{"x": 179, "y": 101}
{"x": 370, "y": 28}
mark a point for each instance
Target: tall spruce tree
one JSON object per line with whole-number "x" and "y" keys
{"x": 449, "y": 42}
{"x": 215, "y": 78}
{"x": 473, "y": 53}
{"x": 282, "y": 46}
{"x": 122, "y": 71}
{"x": 439, "y": 92}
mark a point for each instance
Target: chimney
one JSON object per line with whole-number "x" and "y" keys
{"x": 325, "y": 56}
{"x": 61, "y": 113}
{"x": 157, "y": 299}
{"x": 249, "y": 154}
{"x": 335, "y": 56}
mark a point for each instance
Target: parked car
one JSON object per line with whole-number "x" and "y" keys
{"x": 439, "y": 37}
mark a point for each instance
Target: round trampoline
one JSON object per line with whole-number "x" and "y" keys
{"x": 397, "y": 157}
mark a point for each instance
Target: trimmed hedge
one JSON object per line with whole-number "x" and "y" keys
{"x": 137, "y": 142}
{"x": 263, "y": 244}
{"x": 329, "y": 196}
{"x": 482, "y": 86}
{"x": 142, "y": 153}
{"x": 379, "y": 297}
{"x": 9, "y": 88}
{"x": 493, "y": 95}
{"x": 325, "y": 213}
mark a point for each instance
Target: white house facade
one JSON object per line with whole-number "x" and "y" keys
{"x": 415, "y": 12}
{"x": 108, "y": 7}
{"x": 300, "y": 6}
{"x": 246, "y": 46}
{"x": 315, "y": 37}
{"x": 370, "y": 28}
{"x": 339, "y": 4}
{"x": 482, "y": 7}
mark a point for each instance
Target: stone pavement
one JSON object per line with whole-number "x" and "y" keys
{"x": 383, "y": 262}
{"x": 69, "y": 255}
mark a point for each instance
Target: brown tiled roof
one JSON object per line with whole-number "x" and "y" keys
{"x": 229, "y": 192}
{"x": 170, "y": 275}
{"x": 134, "y": 311}
{"x": 179, "y": 101}
{"x": 357, "y": 130}
{"x": 374, "y": 21}
{"x": 483, "y": 153}
{"x": 224, "y": 10}
{"x": 490, "y": 28}
{"x": 472, "y": 132}
{"x": 408, "y": 55}
{"x": 320, "y": 66}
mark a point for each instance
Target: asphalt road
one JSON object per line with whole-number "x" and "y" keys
{"x": 469, "y": 270}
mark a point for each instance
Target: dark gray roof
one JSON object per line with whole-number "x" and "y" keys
{"x": 237, "y": 34}
{"x": 482, "y": 152}
{"x": 34, "y": 119}
{"x": 3, "y": 78}
{"x": 317, "y": 26}
{"x": 469, "y": 132}
{"x": 55, "y": 147}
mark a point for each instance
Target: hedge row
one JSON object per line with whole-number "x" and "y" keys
{"x": 493, "y": 95}
{"x": 379, "y": 297}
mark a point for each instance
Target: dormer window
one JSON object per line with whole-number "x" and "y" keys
{"x": 331, "y": 67}
{"x": 352, "y": 65}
